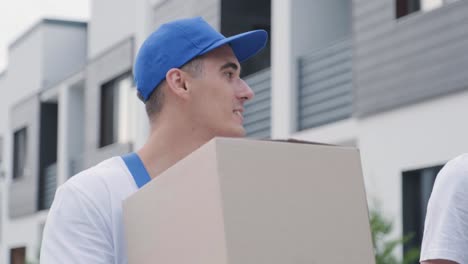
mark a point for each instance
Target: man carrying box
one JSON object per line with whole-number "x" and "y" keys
{"x": 188, "y": 76}
{"x": 445, "y": 239}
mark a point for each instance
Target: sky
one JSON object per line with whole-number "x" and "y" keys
{"x": 17, "y": 16}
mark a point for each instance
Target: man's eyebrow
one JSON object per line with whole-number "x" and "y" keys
{"x": 229, "y": 65}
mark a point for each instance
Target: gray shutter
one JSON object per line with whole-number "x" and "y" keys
{"x": 325, "y": 86}
{"x": 257, "y": 115}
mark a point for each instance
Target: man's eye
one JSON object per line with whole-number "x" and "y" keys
{"x": 229, "y": 74}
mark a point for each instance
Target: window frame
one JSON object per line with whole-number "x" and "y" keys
{"x": 109, "y": 109}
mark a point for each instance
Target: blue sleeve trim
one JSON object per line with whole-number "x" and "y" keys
{"x": 137, "y": 169}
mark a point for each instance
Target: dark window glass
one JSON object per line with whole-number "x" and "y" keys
{"x": 111, "y": 94}
{"x": 417, "y": 188}
{"x": 406, "y": 7}
{"x": 19, "y": 152}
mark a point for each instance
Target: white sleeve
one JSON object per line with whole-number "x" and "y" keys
{"x": 446, "y": 225}
{"x": 75, "y": 231}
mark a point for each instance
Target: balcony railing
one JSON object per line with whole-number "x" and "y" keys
{"x": 257, "y": 115}
{"x": 48, "y": 186}
{"x": 75, "y": 165}
{"x": 325, "y": 86}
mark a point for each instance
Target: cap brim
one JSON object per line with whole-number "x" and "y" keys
{"x": 243, "y": 45}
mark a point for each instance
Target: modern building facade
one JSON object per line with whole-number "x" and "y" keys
{"x": 388, "y": 77}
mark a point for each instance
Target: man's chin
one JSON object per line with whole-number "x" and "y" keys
{"x": 240, "y": 132}
{"x": 236, "y": 132}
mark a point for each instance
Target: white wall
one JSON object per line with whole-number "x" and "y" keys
{"x": 106, "y": 29}
{"x": 71, "y": 128}
{"x": 414, "y": 137}
{"x": 22, "y": 79}
{"x": 3, "y": 114}
{"x": 3, "y": 188}
{"x": 111, "y": 22}
{"x": 48, "y": 51}
{"x": 24, "y": 69}
{"x": 23, "y": 232}
{"x": 343, "y": 132}
{"x": 170, "y": 10}
{"x": 64, "y": 51}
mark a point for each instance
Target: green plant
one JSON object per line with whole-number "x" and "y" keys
{"x": 383, "y": 246}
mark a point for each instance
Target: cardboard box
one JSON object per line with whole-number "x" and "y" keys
{"x": 241, "y": 201}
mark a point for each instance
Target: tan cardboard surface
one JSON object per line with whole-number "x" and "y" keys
{"x": 241, "y": 201}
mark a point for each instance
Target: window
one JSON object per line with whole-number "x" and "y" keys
{"x": 417, "y": 188}
{"x": 406, "y": 7}
{"x": 18, "y": 255}
{"x": 244, "y": 15}
{"x": 47, "y": 154}
{"x": 19, "y": 152}
{"x": 114, "y": 108}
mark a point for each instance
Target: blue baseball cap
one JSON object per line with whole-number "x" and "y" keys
{"x": 175, "y": 43}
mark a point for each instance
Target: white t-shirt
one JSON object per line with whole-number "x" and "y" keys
{"x": 85, "y": 223}
{"x": 446, "y": 227}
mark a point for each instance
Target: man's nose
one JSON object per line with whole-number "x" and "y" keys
{"x": 245, "y": 92}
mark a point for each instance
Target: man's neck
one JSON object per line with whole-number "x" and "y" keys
{"x": 166, "y": 147}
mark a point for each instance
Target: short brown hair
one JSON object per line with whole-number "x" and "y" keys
{"x": 155, "y": 101}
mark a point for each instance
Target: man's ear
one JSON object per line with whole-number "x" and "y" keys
{"x": 176, "y": 82}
